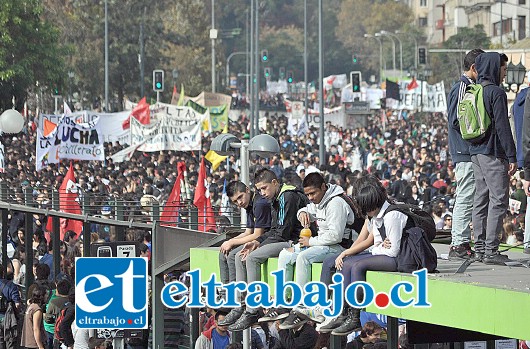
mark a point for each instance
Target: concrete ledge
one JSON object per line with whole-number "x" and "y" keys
{"x": 487, "y": 299}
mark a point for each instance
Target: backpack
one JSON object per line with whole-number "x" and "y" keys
{"x": 416, "y": 251}
{"x": 473, "y": 117}
{"x": 357, "y": 224}
{"x": 57, "y": 327}
{"x": 405, "y": 191}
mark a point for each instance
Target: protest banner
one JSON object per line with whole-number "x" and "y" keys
{"x": 69, "y": 139}
{"x": 177, "y": 128}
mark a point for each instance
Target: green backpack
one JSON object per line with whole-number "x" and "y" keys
{"x": 472, "y": 116}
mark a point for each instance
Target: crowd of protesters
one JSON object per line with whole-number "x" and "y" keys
{"x": 409, "y": 156}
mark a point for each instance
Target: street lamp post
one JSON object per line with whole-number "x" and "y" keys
{"x": 384, "y": 32}
{"x": 515, "y": 75}
{"x": 213, "y": 36}
{"x": 228, "y": 65}
{"x": 322, "y": 147}
{"x": 415, "y": 48}
{"x": 11, "y": 121}
{"x": 175, "y": 73}
{"x": 380, "y": 55}
{"x": 263, "y": 145}
{"x": 393, "y": 48}
{"x": 106, "y": 59}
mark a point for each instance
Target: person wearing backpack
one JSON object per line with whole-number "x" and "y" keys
{"x": 494, "y": 161}
{"x": 56, "y": 303}
{"x": 336, "y": 219}
{"x": 386, "y": 229}
{"x": 459, "y": 151}
{"x": 9, "y": 297}
{"x": 285, "y": 200}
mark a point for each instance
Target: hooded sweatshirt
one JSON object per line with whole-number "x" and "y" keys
{"x": 518, "y": 117}
{"x": 458, "y": 147}
{"x": 205, "y": 339}
{"x": 332, "y": 215}
{"x": 498, "y": 141}
{"x": 285, "y": 226}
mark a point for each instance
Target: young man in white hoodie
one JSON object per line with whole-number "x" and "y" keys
{"x": 334, "y": 218}
{"x": 332, "y": 215}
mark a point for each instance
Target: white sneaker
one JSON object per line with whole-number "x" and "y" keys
{"x": 314, "y": 314}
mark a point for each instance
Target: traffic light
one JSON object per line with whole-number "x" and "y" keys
{"x": 422, "y": 55}
{"x": 282, "y": 72}
{"x": 354, "y": 58}
{"x": 383, "y": 103}
{"x": 267, "y": 72}
{"x": 158, "y": 80}
{"x": 355, "y": 81}
{"x": 290, "y": 77}
{"x": 264, "y": 55}
{"x": 56, "y": 91}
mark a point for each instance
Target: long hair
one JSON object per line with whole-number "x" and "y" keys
{"x": 369, "y": 194}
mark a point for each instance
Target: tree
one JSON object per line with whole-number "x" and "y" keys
{"x": 449, "y": 65}
{"x": 29, "y": 51}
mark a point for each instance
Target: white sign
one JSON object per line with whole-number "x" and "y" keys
{"x": 69, "y": 139}
{"x": 506, "y": 344}
{"x": 177, "y": 128}
{"x": 110, "y": 124}
{"x": 433, "y": 97}
{"x": 475, "y": 345}
{"x": 125, "y": 251}
{"x": 297, "y": 110}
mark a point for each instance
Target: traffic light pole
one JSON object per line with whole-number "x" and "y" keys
{"x": 257, "y": 69}
{"x": 157, "y": 97}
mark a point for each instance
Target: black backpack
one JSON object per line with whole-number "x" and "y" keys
{"x": 357, "y": 224}
{"x": 416, "y": 251}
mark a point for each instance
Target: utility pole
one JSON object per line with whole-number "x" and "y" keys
{"x": 141, "y": 56}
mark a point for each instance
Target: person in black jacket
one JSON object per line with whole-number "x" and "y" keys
{"x": 303, "y": 337}
{"x": 65, "y": 327}
{"x": 494, "y": 161}
{"x": 286, "y": 200}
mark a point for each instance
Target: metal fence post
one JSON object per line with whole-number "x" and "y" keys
{"x": 28, "y": 227}
{"x": 120, "y": 231}
{"x": 87, "y": 233}
{"x": 56, "y": 232}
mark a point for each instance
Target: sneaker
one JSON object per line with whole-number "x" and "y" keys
{"x": 313, "y": 314}
{"x": 495, "y": 258}
{"x": 232, "y": 317}
{"x": 330, "y": 324}
{"x": 478, "y": 257}
{"x": 275, "y": 314}
{"x": 246, "y": 320}
{"x": 292, "y": 321}
{"x": 462, "y": 251}
{"x": 349, "y": 325}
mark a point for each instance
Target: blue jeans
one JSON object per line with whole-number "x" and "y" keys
{"x": 527, "y": 224}
{"x": 463, "y": 208}
{"x": 301, "y": 260}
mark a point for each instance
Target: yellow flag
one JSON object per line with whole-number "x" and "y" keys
{"x": 215, "y": 159}
{"x": 180, "y": 103}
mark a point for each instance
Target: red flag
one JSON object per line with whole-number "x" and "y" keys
{"x": 140, "y": 112}
{"x": 171, "y": 209}
{"x": 412, "y": 85}
{"x": 202, "y": 201}
{"x": 68, "y": 203}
